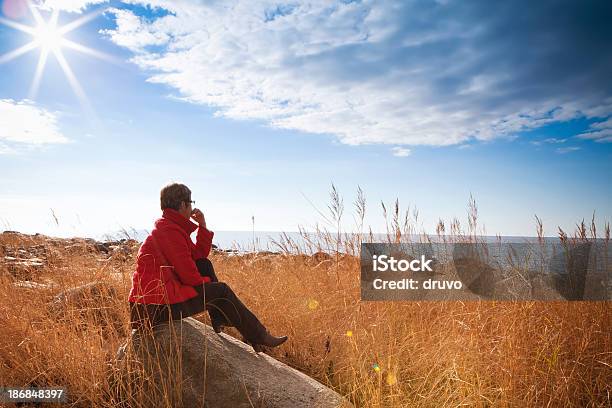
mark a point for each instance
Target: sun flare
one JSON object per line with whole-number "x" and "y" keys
{"x": 50, "y": 39}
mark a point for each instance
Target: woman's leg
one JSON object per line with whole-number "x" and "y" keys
{"x": 145, "y": 316}
{"x": 220, "y": 297}
{"x": 205, "y": 267}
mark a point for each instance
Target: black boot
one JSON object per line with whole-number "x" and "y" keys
{"x": 267, "y": 341}
{"x": 218, "y": 324}
{"x": 272, "y": 341}
{"x": 217, "y": 327}
{"x": 218, "y": 321}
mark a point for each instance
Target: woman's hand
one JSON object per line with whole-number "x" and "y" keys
{"x": 198, "y": 217}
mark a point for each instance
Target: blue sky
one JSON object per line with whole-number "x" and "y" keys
{"x": 259, "y": 106}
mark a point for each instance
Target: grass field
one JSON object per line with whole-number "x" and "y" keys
{"x": 377, "y": 354}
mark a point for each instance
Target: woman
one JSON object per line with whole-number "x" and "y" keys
{"x": 173, "y": 276}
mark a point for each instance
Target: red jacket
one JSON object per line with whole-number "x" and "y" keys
{"x": 152, "y": 284}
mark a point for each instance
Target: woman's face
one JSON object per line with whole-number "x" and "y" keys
{"x": 185, "y": 209}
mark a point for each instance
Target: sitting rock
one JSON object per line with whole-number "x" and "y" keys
{"x": 185, "y": 363}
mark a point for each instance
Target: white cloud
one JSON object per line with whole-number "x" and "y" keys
{"x": 72, "y": 6}
{"x": 601, "y": 132}
{"x": 135, "y": 33}
{"x": 550, "y": 140}
{"x": 367, "y": 72}
{"x": 401, "y": 152}
{"x": 606, "y": 124}
{"x": 24, "y": 124}
{"x": 554, "y": 140}
{"x": 564, "y": 150}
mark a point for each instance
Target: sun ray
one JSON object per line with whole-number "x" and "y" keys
{"x": 72, "y": 80}
{"x": 80, "y": 21}
{"x": 35, "y": 14}
{"x": 9, "y": 56}
{"x": 49, "y": 38}
{"x": 89, "y": 51}
{"x": 40, "y": 67}
{"x": 53, "y": 20}
{"x": 17, "y": 26}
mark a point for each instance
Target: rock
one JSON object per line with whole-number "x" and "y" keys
{"x": 196, "y": 367}
{"x": 94, "y": 293}
{"x": 95, "y": 302}
{"x": 123, "y": 245}
{"x": 26, "y": 262}
{"x": 320, "y": 256}
{"x": 101, "y": 247}
{"x": 78, "y": 248}
{"x": 267, "y": 253}
{"x": 34, "y": 285}
{"x": 21, "y": 266}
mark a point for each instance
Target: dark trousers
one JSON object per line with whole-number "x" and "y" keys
{"x": 222, "y": 304}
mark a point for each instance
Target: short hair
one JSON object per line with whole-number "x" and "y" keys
{"x": 173, "y": 194}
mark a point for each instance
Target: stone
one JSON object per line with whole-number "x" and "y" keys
{"x": 34, "y": 285}
{"x": 96, "y": 302}
{"x": 94, "y": 294}
{"x": 22, "y": 267}
{"x": 320, "y": 256}
{"x": 185, "y": 363}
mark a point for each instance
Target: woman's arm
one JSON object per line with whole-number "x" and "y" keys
{"x": 204, "y": 237}
{"x": 178, "y": 252}
{"x": 203, "y": 243}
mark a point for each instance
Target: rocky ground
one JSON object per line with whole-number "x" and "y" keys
{"x": 23, "y": 256}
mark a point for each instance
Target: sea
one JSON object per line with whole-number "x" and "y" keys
{"x": 278, "y": 241}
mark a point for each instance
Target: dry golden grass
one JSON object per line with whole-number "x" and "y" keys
{"x": 428, "y": 354}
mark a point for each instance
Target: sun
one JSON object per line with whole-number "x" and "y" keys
{"x": 48, "y": 36}
{"x": 50, "y": 39}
